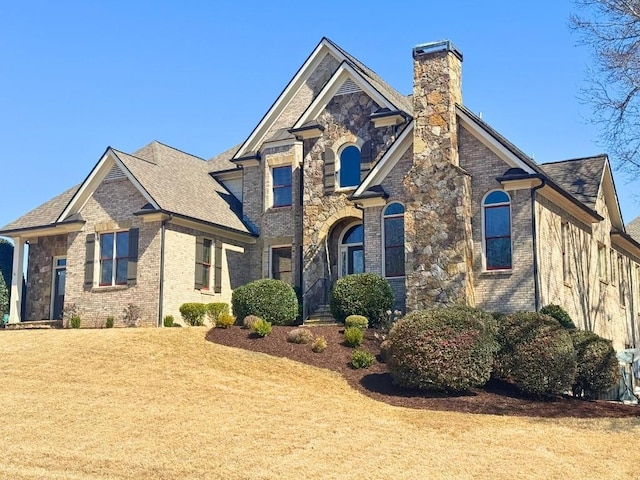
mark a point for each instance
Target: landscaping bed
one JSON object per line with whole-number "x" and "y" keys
{"x": 496, "y": 398}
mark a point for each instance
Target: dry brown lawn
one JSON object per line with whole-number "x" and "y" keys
{"x": 167, "y": 404}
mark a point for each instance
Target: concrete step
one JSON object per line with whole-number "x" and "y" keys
{"x": 317, "y": 322}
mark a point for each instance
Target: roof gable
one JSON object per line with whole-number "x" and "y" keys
{"x": 581, "y": 177}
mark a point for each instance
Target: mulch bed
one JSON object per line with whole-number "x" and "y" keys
{"x": 497, "y": 398}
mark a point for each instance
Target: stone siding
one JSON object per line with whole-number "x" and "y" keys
{"x": 39, "y": 275}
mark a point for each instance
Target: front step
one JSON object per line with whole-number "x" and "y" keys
{"x": 321, "y": 316}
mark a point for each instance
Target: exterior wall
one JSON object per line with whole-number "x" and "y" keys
{"x": 593, "y": 301}
{"x": 114, "y": 202}
{"x": 179, "y": 270}
{"x": 39, "y": 275}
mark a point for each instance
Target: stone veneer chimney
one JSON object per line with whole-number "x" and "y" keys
{"x": 437, "y": 191}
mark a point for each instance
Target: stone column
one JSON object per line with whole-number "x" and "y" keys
{"x": 16, "y": 280}
{"x": 437, "y": 191}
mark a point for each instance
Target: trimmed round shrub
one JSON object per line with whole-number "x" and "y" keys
{"x": 353, "y": 336}
{"x": 446, "y": 349}
{"x": 597, "y": 369}
{"x": 261, "y": 328}
{"x": 362, "y": 359}
{"x": 319, "y": 345}
{"x": 356, "y": 321}
{"x": 536, "y": 354}
{"x": 110, "y": 322}
{"x": 300, "y": 335}
{"x": 560, "y": 314}
{"x": 168, "y": 321}
{"x": 273, "y": 300}
{"x": 225, "y": 320}
{"x": 364, "y": 294}
{"x": 214, "y": 310}
{"x": 249, "y": 320}
{"x": 193, "y": 313}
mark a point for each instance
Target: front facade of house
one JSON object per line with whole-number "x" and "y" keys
{"x": 342, "y": 175}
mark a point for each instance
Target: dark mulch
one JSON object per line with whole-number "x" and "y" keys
{"x": 495, "y": 398}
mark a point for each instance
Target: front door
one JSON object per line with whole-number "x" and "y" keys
{"x": 352, "y": 250}
{"x": 58, "y": 284}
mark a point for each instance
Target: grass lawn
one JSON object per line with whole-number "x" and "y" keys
{"x": 167, "y": 404}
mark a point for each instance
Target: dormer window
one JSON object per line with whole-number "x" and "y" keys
{"x": 348, "y": 174}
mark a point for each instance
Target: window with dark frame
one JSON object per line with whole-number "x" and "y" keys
{"x": 281, "y": 264}
{"x": 393, "y": 224}
{"x": 114, "y": 258}
{"x": 282, "y": 193}
{"x": 497, "y": 231}
{"x": 206, "y": 264}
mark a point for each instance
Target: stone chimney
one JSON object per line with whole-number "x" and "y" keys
{"x": 437, "y": 191}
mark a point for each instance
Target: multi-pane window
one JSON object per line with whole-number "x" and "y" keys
{"x": 603, "y": 262}
{"x": 566, "y": 256}
{"x": 349, "y": 172}
{"x": 281, "y": 265}
{"x": 497, "y": 230}
{"x": 393, "y": 223}
{"x": 282, "y": 186}
{"x": 614, "y": 273}
{"x": 114, "y": 258}
{"x": 206, "y": 264}
{"x": 622, "y": 284}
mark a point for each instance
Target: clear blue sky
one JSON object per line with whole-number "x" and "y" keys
{"x": 78, "y": 76}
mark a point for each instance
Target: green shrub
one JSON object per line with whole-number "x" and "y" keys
{"x": 353, "y": 337}
{"x": 273, "y": 300}
{"x": 362, "y": 359}
{"x": 261, "y": 328}
{"x": 598, "y": 368}
{"x": 75, "y": 321}
{"x": 536, "y": 354}
{"x": 4, "y": 297}
{"x": 225, "y": 320}
{"x": 110, "y": 322}
{"x": 356, "y": 321}
{"x": 319, "y": 345}
{"x": 560, "y": 314}
{"x": 214, "y": 310}
{"x": 168, "y": 321}
{"x": 365, "y": 294}
{"x": 193, "y": 313}
{"x": 448, "y": 349}
{"x": 300, "y": 335}
{"x": 249, "y": 320}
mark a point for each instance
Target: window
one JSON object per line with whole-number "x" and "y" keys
{"x": 393, "y": 228}
{"x": 114, "y": 258}
{"x": 622, "y": 284}
{"x": 612, "y": 257}
{"x": 205, "y": 249}
{"x": 497, "y": 230}
{"x": 206, "y": 264}
{"x": 281, "y": 264}
{"x": 603, "y": 261}
{"x": 349, "y": 170}
{"x": 351, "y": 250}
{"x": 566, "y": 257}
{"x": 281, "y": 186}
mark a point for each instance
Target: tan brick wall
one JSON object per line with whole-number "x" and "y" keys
{"x": 115, "y": 201}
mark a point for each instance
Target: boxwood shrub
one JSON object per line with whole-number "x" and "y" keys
{"x": 598, "y": 368}
{"x": 450, "y": 349}
{"x": 215, "y": 309}
{"x": 365, "y": 294}
{"x": 356, "y": 321}
{"x": 560, "y": 314}
{"x": 272, "y": 300}
{"x": 536, "y": 354}
{"x": 193, "y": 313}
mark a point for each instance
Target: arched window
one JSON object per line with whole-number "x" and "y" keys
{"x": 349, "y": 169}
{"x": 393, "y": 228}
{"x": 496, "y": 209}
{"x": 352, "y": 250}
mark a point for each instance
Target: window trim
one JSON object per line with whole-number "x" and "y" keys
{"x": 483, "y": 207}
{"x": 273, "y": 186}
{"x": 280, "y": 247}
{"x": 114, "y": 258}
{"x": 345, "y": 246}
{"x": 338, "y": 167}
{"x": 384, "y": 240}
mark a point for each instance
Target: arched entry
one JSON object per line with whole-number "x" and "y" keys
{"x": 351, "y": 250}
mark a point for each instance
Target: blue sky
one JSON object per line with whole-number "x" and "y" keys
{"x": 78, "y": 76}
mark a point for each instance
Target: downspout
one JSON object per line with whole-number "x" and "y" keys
{"x": 534, "y": 235}
{"x": 163, "y": 228}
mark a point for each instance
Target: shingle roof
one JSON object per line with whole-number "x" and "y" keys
{"x": 222, "y": 161}
{"x": 633, "y": 229}
{"x": 180, "y": 183}
{"x": 580, "y": 177}
{"x": 45, "y": 214}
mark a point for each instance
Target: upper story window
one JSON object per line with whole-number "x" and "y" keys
{"x": 496, "y": 209}
{"x": 348, "y": 174}
{"x": 282, "y": 186}
{"x": 393, "y": 227}
{"x": 114, "y": 258}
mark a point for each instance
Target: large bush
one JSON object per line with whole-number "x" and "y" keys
{"x": 598, "y": 368}
{"x": 447, "y": 349}
{"x": 365, "y": 294}
{"x": 560, "y": 314}
{"x": 536, "y": 354}
{"x": 272, "y": 300}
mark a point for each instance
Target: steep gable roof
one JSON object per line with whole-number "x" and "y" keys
{"x": 633, "y": 229}
{"x": 581, "y": 177}
{"x": 222, "y": 161}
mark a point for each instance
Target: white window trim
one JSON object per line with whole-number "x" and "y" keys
{"x": 483, "y": 232}
{"x": 54, "y": 267}
{"x": 344, "y": 247}
{"x": 97, "y": 270}
{"x": 338, "y": 167}
{"x": 382, "y": 236}
{"x": 275, "y": 247}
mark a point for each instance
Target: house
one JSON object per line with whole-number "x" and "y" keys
{"x": 342, "y": 175}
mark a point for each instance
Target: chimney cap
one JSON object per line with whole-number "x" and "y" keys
{"x": 432, "y": 47}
